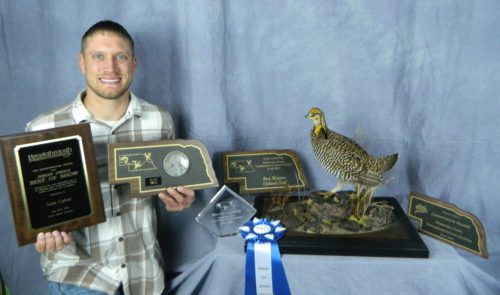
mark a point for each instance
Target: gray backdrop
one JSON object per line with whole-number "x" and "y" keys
{"x": 415, "y": 77}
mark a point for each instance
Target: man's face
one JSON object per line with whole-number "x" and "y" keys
{"x": 108, "y": 65}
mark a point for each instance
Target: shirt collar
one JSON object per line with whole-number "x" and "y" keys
{"x": 82, "y": 114}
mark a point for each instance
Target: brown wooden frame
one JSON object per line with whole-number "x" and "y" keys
{"x": 57, "y": 195}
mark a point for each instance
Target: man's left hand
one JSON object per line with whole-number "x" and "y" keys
{"x": 177, "y": 199}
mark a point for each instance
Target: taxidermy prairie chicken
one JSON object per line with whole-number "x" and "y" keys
{"x": 348, "y": 162}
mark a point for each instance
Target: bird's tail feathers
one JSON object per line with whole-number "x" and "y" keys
{"x": 388, "y": 162}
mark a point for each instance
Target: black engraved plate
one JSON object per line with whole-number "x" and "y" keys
{"x": 53, "y": 178}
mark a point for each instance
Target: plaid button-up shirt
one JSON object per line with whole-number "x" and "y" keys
{"x": 123, "y": 249}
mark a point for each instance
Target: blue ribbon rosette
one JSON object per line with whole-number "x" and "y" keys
{"x": 264, "y": 272}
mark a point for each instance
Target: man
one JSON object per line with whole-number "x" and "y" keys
{"x": 121, "y": 255}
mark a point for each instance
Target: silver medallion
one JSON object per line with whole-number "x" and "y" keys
{"x": 176, "y": 163}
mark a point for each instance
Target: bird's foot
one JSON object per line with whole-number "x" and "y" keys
{"x": 330, "y": 194}
{"x": 359, "y": 220}
{"x": 326, "y": 221}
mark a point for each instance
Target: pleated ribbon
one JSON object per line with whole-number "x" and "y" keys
{"x": 264, "y": 272}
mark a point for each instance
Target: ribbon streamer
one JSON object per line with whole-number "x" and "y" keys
{"x": 264, "y": 272}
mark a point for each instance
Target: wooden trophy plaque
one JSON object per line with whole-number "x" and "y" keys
{"x": 53, "y": 180}
{"x": 151, "y": 166}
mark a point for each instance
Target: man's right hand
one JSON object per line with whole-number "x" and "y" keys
{"x": 52, "y": 241}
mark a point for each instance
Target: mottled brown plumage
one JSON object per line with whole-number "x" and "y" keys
{"x": 345, "y": 159}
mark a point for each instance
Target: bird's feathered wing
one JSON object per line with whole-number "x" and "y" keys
{"x": 338, "y": 154}
{"x": 347, "y": 160}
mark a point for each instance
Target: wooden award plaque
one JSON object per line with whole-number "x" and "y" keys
{"x": 448, "y": 223}
{"x": 151, "y": 166}
{"x": 53, "y": 180}
{"x": 264, "y": 171}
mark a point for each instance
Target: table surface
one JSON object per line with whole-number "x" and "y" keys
{"x": 444, "y": 272}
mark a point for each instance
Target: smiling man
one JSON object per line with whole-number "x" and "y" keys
{"x": 108, "y": 63}
{"x": 121, "y": 255}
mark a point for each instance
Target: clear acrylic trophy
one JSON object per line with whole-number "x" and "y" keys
{"x": 225, "y": 213}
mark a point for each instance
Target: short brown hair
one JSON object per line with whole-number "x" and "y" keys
{"x": 107, "y": 26}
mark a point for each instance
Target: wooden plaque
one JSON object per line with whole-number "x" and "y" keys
{"x": 53, "y": 180}
{"x": 448, "y": 223}
{"x": 264, "y": 171}
{"x": 151, "y": 166}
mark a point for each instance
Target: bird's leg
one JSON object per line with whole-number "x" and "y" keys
{"x": 358, "y": 208}
{"x": 369, "y": 195}
{"x": 339, "y": 185}
{"x": 357, "y": 192}
{"x": 333, "y": 191}
{"x": 367, "y": 198}
{"x": 356, "y": 200}
{"x": 361, "y": 204}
